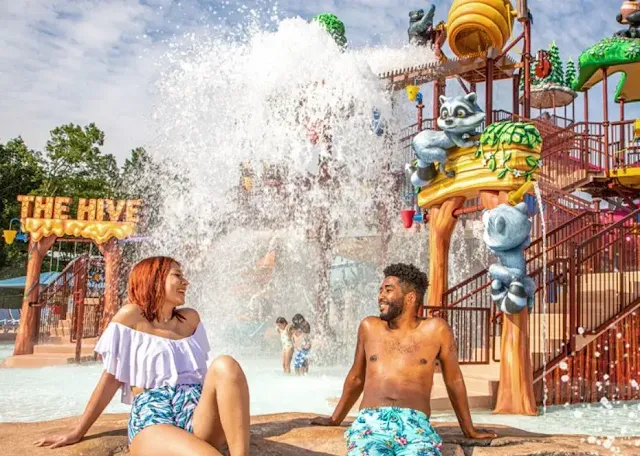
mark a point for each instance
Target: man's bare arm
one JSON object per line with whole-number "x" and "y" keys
{"x": 454, "y": 382}
{"x": 353, "y": 384}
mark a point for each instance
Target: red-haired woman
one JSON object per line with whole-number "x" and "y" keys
{"x": 157, "y": 354}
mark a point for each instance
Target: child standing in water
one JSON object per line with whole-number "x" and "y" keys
{"x": 302, "y": 343}
{"x": 285, "y": 330}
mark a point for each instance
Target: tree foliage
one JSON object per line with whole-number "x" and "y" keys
{"x": 75, "y": 166}
{"x": 20, "y": 173}
{"x": 557, "y": 71}
{"x": 334, "y": 26}
{"x": 72, "y": 165}
{"x": 570, "y": 74}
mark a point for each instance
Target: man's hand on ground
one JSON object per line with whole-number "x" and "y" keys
{"x": 480, "y": 434}
{"x": 323, "y": 421}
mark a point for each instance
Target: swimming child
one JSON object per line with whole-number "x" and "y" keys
{"x": 285, "y": 330}
{"x": 302, "y": 344}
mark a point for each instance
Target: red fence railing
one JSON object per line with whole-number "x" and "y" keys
{"x": 56, "y": 304}
{"x": 471, "y": 327}
{"x": 607, "y": 274}
{"x": 474, "y": 292}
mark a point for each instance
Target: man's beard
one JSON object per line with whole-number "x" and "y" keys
{"x": 393, "y": 311}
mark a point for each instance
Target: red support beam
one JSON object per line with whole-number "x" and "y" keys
{"x": 510, "y": 46}
{"x": 489, "y": 92}
{"x": 526, "y": 23}
{"x": 462, "y": 84}
{"x": 586, "y": 106}
{"x": 516, "y": 95}
{"x": 605, "y": 114}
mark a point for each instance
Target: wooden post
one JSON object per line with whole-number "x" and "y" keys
{"x": 515, "y": 390}
{"x": 30, "y": 316}
{"x": 441, "y": 224}
{"x": 79, "y": 293}
{"x": 112, "y": 254}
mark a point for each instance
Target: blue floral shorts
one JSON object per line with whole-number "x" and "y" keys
{"x": 300, "y": 359}
{"x": 165, "y": 405}
{"x": 392, "y": 431}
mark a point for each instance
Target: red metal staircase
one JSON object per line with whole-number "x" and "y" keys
{"x": 587, "y": 300}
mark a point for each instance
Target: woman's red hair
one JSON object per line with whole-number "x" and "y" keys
{"x": 147, "y": 283}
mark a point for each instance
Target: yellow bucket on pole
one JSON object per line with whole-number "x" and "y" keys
{"x": 412, "y": 92}
{"x": 9, "y": 236}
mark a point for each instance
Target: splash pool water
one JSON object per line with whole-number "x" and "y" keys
{"x": 61, "y": 391}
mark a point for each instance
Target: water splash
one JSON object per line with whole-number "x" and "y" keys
{"x": 545, "y": 336}
{"x": 296, "y": 110}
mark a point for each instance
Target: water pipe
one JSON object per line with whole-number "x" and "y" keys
{"x": 516, "y": 196}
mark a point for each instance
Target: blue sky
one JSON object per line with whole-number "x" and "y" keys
{"x": 81, "y": 61}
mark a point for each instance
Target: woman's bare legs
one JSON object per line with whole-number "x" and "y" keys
{"x": 168, "y": 440}
{"x": 222, "y": 415}
{"x": 287, "y": 356}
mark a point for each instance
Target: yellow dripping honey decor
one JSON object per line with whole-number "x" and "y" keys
{"x": 508, "y": 156}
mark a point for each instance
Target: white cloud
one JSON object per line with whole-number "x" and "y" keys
{"x": 83, "y": 61}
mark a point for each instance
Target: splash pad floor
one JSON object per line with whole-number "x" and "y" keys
{"x": 61, "y": 391}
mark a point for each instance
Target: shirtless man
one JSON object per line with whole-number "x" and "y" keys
{"x": 394, "y": 364}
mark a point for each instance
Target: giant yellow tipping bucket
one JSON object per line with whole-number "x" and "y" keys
{"x": 473, "y": 26}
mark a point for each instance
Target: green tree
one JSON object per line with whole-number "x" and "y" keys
{"x": 570, "y": 75}
{"x": 76, "y": 167}
{"x": 139, "y": 180}
{"x": 557, "y": 72}
{"x": 532, "y": 75}
{"x": 20, "y": 174}
{"x": 334, "y": 26}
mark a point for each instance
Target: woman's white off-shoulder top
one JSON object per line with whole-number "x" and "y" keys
{"x": 144, "y": 360}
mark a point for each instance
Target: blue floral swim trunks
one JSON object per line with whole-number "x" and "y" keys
{"x": 300, "y": 359}
{"x": 164, "y": 405}
{"x": 392, "y": 431}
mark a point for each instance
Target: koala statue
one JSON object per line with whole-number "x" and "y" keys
{"x": 507, "y": 234}
{"x": 634, "y": 26}
{"x": 459, "y": 118}
{"x": 421, "y": 31}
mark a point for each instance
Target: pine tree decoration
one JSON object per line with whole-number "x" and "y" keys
{"x": 557, "y": 73}
{"x": 570, "y": 75}
{"x": 532, "y": 75}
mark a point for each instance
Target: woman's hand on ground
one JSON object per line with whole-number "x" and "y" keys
{"x": 57, "y": 441}
{"x": 323, "y": 421}
{"x": 481, "y": 434}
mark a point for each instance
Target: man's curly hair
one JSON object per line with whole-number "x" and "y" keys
{"x": 410, "y": 276}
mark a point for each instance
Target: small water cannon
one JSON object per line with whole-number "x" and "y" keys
{"x": 14, "y": 235}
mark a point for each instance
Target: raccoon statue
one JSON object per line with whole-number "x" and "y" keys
{"x": 459, "y": 118}
{"x": 506, "y": 233}
{"x": 421, "y": 31}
